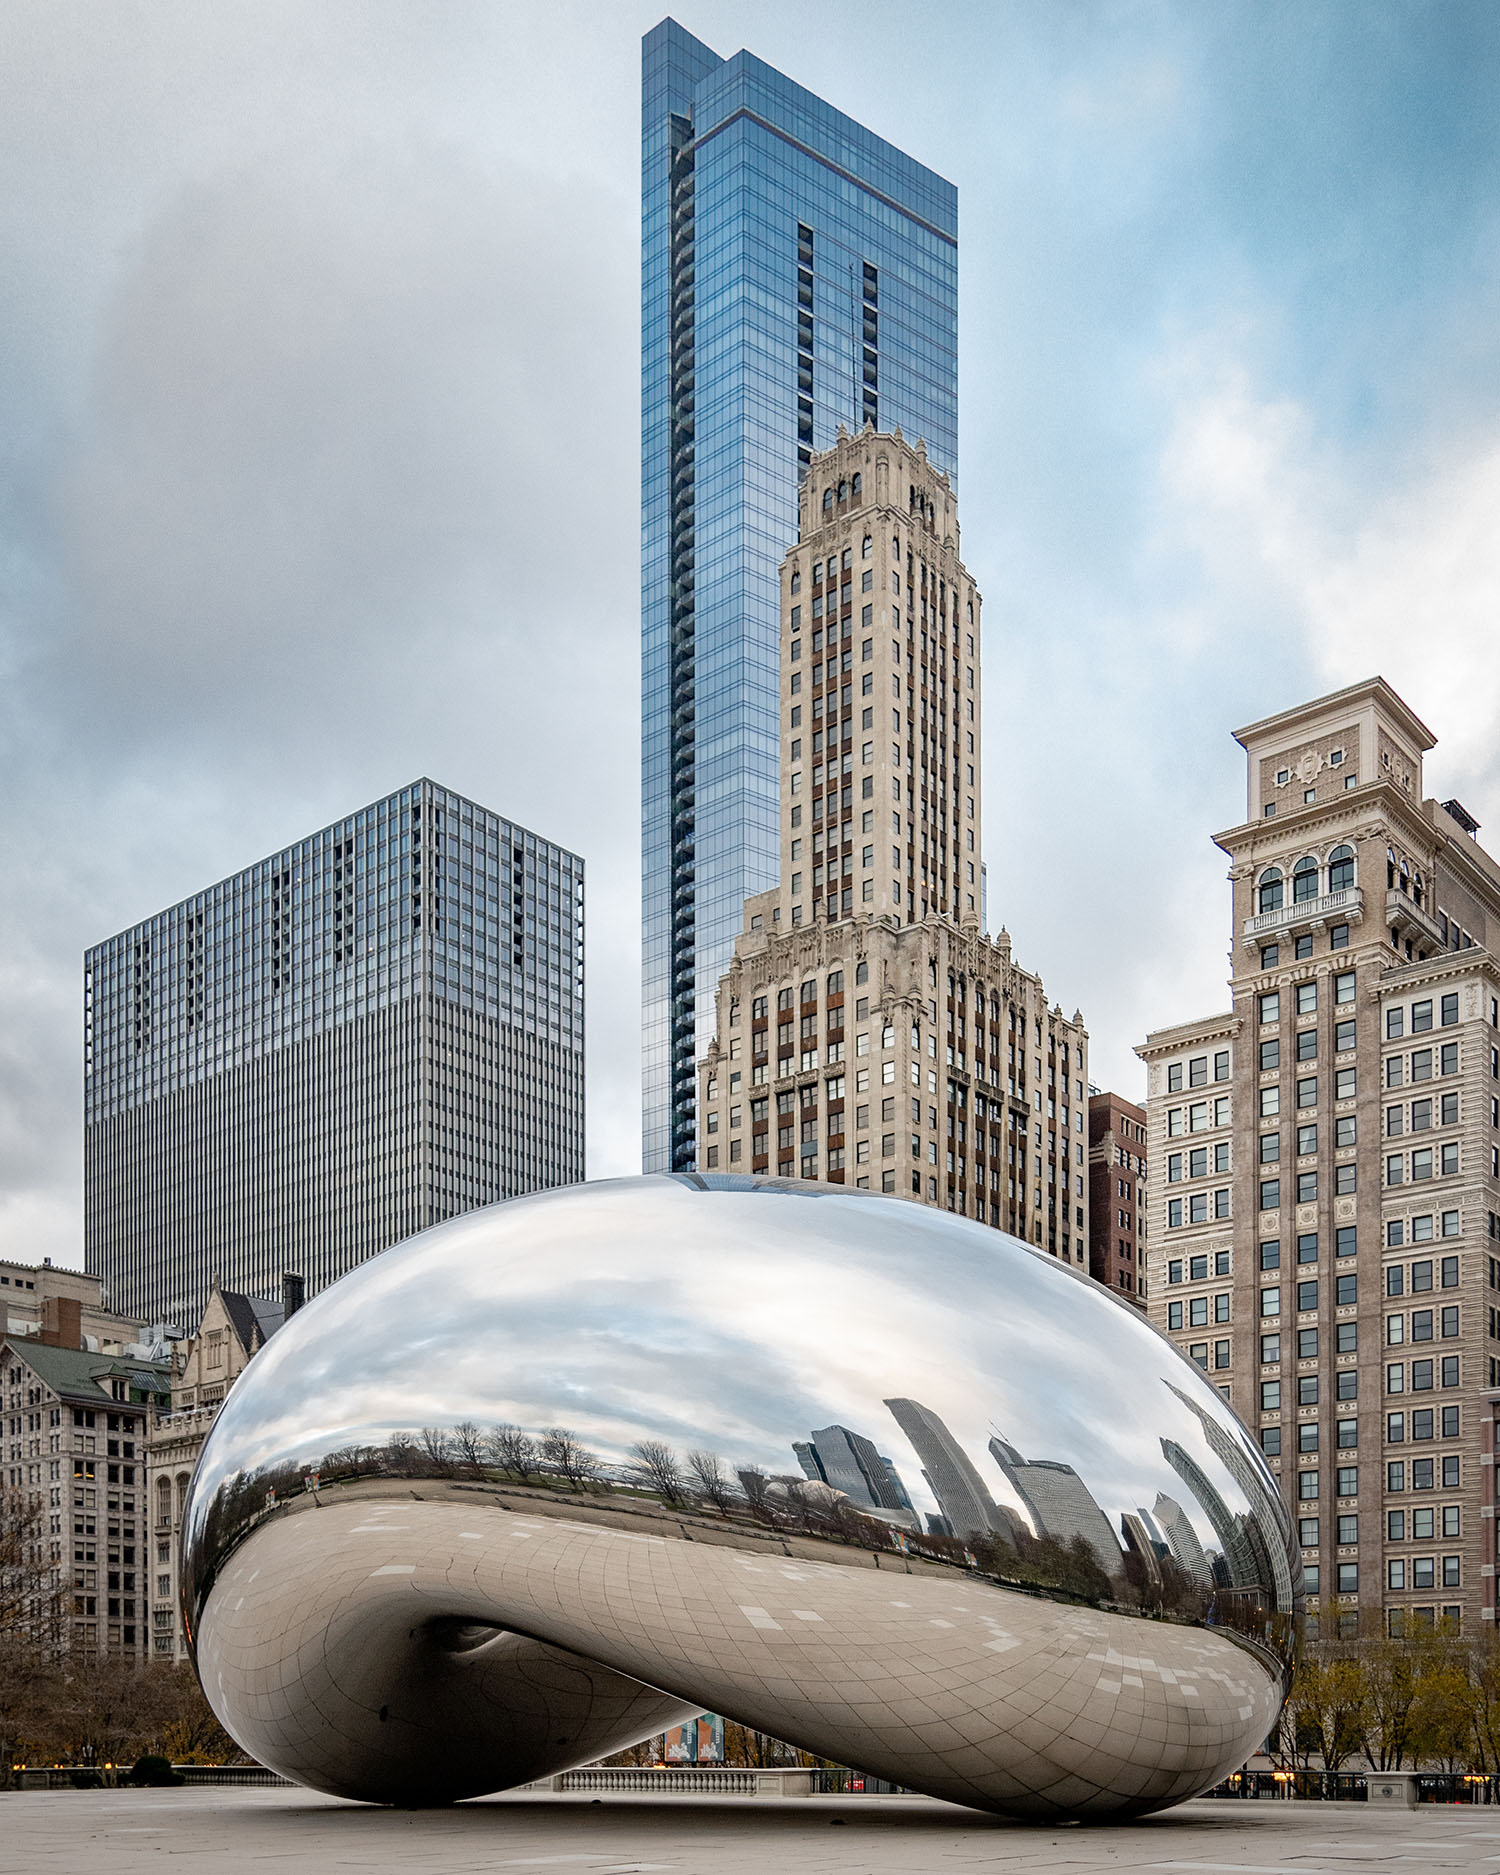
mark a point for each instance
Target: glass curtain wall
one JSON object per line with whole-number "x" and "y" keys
{"x": 798, "y": 273}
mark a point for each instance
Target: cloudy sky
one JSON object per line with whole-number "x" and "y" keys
{"x": 319, "y": 452}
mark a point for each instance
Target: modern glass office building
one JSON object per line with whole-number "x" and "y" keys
{"x": 374, "y": 1029}
{"x": 798, "y": 273}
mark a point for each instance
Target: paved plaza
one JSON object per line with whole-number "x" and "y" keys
{"x": 234, "y": 1832}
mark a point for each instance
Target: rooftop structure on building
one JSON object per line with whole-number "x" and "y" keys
{"x": 798, "y": 273}
{"x": 869, "y": 1032}
{"x": 375, "y": 1028}
{"x": 67, "y": 1308}
{"x": 1324, "y": 1163}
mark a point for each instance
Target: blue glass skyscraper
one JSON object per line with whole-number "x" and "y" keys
{"x": 798, "y": 273}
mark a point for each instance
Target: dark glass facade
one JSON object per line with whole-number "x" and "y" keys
{"x": 376, "y": 1028}
{"x": 798, "y": 273}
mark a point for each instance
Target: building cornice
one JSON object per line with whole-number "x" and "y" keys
{"x": 1223, "y": 1027}
{"x": 1442, "y": 967}
{"x": 1348, "y": 810}
{"x": 1367, "y": 690}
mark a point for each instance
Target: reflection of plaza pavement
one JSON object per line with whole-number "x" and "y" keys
{"x": 237, "y": 1832}
{"x": 945, "y": 1682}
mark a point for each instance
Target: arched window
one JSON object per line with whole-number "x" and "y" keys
{"x": 862, "y": 971}
{"x": 843, "y": 491}
{"x": 828, "y": 500}
{"x": 1304, "y": 881}
{"x": 163, "y": 1502}
{"x": 857, "y": 484}
{"x": 1341, "y": 869}
{"x": 866, "y": 548}
{"x": 1270, "y": 890}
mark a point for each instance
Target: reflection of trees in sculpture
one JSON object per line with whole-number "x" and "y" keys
{"x": 706, "y": 1471}
{"x": 513, "y": 1451}
{"x": 654, "y": 1464}
{"x": 753, "y": 1482}
{"x": 1072, "y": 1568}
{"x": 439, "y": 1450}
{"x": 561, "y": 1450}
{"x": 468, "y": 1445}
{"x": 402, "y": 1457}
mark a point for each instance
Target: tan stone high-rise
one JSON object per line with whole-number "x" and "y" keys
{"x": 869, "y": 1032}
{"x": 1324, "y": 1163}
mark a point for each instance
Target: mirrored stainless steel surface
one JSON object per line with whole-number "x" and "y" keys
{"x": 861, "y": 1474}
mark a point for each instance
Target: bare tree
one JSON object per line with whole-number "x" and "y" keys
{"x": 513, "y": 1450}
{"x": 706, "y": 1471}
{"x": 32, "y": 1600}
{"x": 753, "y": 1481}
{"x": 401, "y": 1455}
{"x": 655, "y": 1466}
{"x": 468, "y": 1445}
{"x": 439, "y": 1449}
{"x": 563, "y": 1452}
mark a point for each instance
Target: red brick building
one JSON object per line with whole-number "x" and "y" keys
{"x": 1117, "y": 1195}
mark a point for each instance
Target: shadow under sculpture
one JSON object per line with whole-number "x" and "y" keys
{"x": 870, "y": 1477}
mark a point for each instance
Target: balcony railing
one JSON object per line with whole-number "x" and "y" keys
{"x": 1402, "y": 915}
{"x": 1345, "y": 907}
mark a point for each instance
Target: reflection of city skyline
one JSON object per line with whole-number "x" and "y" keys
{"x": 961, "y": 1494}
{"x": 849, "y": 1462}
{"x": 1272, "y": 1565}
{"x": 1058, "y": 1502}
{"x": 1181, "y": 1539}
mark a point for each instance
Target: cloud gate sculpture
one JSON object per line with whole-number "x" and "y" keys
{"x": 558, "y": 1474}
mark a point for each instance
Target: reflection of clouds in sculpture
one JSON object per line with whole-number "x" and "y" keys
{"x": 737, "y": 1317}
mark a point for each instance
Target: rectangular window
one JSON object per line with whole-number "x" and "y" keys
{"x": 1270, "y": 1302}
{"x": 1307, "y": 1044}
{"x": 1307, "y": 1092}
{"x": 1270, "y": 1396}
{"x": 1270, "y": 1055}
{"x": 1307, "y": 999}
{"x": 1345, "y": 1290}
{"x": 1307, "y": 1486}
{"x": 1450, "y": 1010}
{"x": 1343, "y": 987}
{"x": 1270, "y": 1350}
{"x": 1307, "y": 1296}
{"x": 1421, "y": 1017}
{"x": 1270, "y": 1102}
{"x": 1270, "y": 1255}
{"x": 1174, "y": 1315}
{"x": 1270, "y": 1148}
{"x": 1270, "y": 1006}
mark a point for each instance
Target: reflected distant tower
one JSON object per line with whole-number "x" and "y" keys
{"x": 1138, "y": 1538}
{"x": 850, "y": 1463}
{"x": 1182, "y": 1539}
{"x": 957, "y": 1486}
{"x": 1058, "y": 1502}
{"x": 1247, "y": 1469}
